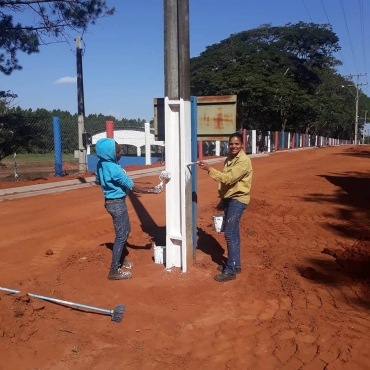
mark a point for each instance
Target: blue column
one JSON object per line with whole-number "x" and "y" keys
{"x": 57, "y": 147}
{"x": 282, "y": 139}
{"x": 194, "y": 169}
{"x": 297, "y": 140}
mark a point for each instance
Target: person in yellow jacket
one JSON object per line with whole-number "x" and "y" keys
{"x": 235, "y": 183}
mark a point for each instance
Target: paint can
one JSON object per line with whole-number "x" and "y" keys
{"x": 159, "y": 254}
{"x": 218, "y": 221}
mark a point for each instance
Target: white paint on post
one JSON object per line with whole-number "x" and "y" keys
{"x": 148, "y": 159}
{"x": 218, "y": 148}
{"x": 288, "y": 140}
{"x": 254, "y": 147}
{"x": 268, "y": 141}
{"x": 178, "y": 155}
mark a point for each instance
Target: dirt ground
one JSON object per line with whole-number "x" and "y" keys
{"x": 301, "y": 302}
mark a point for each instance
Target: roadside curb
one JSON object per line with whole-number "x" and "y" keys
{"x": 61, "y": 186}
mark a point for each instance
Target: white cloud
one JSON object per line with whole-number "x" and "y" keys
{"x": 66, "y": 80}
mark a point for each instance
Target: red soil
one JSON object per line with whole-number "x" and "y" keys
{"x": 293, "y": 306}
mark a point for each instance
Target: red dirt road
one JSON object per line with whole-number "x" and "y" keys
{"x": 270, "y": 317}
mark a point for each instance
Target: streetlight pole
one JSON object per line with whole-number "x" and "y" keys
{"x": 356, "y": 122}
{"x": 356, "y": 97}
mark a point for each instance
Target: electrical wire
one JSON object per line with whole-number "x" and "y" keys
{"x": 362, "y": 25}
{"x": 304, "y": 3}
{"x": 349, "y": 35}
{"x": 340, "y": 51}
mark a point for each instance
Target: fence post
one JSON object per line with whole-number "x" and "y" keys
{"x": 218, "y": 148}
{"x": 276, "y": 141}
{"x": 245, "y": 140}
{"x": 57, "y": 147}
{"x": 268, "y": 141}
{"x": 109, "y": 128}
{"x": 282, "y": 139}
{"x": 254, "y": 138}
{"x": 200, "y": 150}
{"x": 148, "y": 153}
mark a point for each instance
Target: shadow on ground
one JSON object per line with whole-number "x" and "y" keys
{"x": 353, "y": 200}
{"x": 359, "y": 152}
{"x": 209, "y": 245}
{"x": 148, "y": 225}
{"x": 351, "y": 219}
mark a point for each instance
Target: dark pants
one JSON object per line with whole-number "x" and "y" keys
{"x": 233, "y": 213}
{"x": 118, "y": 210}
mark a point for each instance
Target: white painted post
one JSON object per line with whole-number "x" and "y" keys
{"x": 177, "y": 110}
{"x": 268, "y": 141}
{"x": 178, "y": 155}
{"x": 254, "y": 147}
{"x": 218, "y": 148}
{"x": 148, "y": 159}
{"x": 288, "y": 146}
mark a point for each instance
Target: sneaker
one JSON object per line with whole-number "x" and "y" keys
{"x": 238, "y": 270}
{"x": 221, "y": 278}
{"x": 127, "y": 265}
{"x": 119, "y": 275}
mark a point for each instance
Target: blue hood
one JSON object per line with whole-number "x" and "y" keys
{"x": 106, "y": 150}
{"x": 109, "y": 174}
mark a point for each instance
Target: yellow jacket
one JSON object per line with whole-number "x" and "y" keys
{"x": 235, "y": 179}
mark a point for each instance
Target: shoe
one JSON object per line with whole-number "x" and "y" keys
{"x": 119, "y": 275}
{"x": 127, "y": 265}
{"x": 238, "y": 270}
{"x": 221, "y": 278}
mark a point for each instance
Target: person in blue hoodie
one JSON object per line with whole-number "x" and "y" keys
{"x": 116, "y": 185}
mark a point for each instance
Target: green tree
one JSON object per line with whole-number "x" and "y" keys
{"x": 49, "y": 21}
{"x": 285, "y": 78}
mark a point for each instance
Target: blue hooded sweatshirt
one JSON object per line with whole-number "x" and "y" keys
{"x": 109, "y": 174}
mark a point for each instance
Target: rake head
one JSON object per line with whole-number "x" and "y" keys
{"x": 118, "y": 313}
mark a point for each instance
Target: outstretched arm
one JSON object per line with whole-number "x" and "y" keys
{"x": 145, "y": 190}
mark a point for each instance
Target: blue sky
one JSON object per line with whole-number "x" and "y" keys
{"x": 123, "y": 55}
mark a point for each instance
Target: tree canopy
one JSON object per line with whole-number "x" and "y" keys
{"x": 285, "y": 78}
{"x": 49, "y": 21}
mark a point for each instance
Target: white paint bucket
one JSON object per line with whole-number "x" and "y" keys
{"x": 159, "y": 254}
{"x": 218, "y": 221}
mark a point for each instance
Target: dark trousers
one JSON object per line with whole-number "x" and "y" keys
{"x": 233, "y": 213}
{"x": 118, "y": 210}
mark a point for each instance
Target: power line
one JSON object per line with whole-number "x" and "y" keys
{"x": 362, "y": 25}
{"x": 304, "y": 3}
{"x": 340, "y": 52}
{"x": 349, "y": 35}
